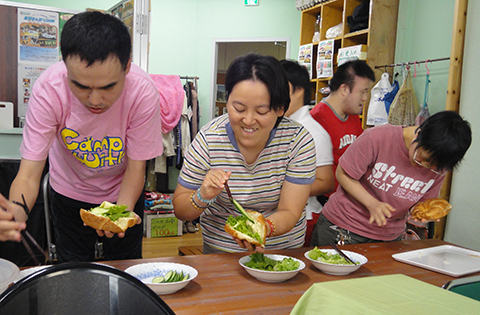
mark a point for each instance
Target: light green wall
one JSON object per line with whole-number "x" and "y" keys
{"x": 424, "y": 31}
{"x": 462, "y": 222}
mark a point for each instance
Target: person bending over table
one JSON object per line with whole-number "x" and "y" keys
{"x": 385, "y": 172}
{"x": 268, "y": 161}
{"x": 96, "y": 116}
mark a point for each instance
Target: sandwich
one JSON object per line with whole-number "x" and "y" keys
{"x": 431, "y": 209}
{"x": 109, "y": 217}
{"x": 250, "y": 226}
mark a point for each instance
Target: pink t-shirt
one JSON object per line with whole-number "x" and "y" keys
{"x": 379, "y": 160}
{"x": 88, "y": 152}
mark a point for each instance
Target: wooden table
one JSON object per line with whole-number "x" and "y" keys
{"x": 224, "y": 287}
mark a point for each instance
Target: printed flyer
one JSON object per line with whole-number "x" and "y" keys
{"x": 305, "y": 57}
{"x": 27, "y": 75}
{"x": 38, "y": 36}
{"x": 325, "y": 59}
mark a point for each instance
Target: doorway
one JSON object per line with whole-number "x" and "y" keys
{"x": 226, "y": 50}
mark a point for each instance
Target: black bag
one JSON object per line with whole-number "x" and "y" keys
{"x": 359, "y": 18}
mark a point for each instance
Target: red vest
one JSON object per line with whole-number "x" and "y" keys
{"x": 342, "y": 133}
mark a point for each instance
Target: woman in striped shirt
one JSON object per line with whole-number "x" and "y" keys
{"x": 268, "y": 161}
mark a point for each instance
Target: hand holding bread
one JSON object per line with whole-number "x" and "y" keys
{"x": 431, "y": 209}
{"x": 241, "y": 228}
{"x": 109, "y": 217}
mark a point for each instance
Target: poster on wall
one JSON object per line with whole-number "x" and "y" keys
{"x": 38, "y": 36}
{"x": 27, "y": 75}
{"x": 38, "y": 48}
{"x": 305, "y": 57}
{"x": 325, "y": 59}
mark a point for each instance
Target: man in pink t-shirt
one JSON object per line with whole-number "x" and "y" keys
{"x": 96, "y": 116}
{"x": 385, "y": 172}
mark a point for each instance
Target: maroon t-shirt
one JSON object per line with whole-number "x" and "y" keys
{"x": 380, "y": 161}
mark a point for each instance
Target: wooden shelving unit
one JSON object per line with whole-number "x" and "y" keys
{"x": 379, "y": 37}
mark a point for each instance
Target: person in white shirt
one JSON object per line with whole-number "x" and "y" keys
{"x": 299, "y": 110}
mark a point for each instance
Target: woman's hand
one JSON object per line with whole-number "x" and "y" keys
{"x": 249, "y": 246}
{"x": 379, "y": 212}
{"x": 214, "y": 183}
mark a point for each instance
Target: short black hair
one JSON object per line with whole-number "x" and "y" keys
{"x": 265, "y": 69}
{"x": 447, "y": 137}
{"x": 94, "y": 36}
{"x": 346, "y": 73}
{"x": 298, "y": 77}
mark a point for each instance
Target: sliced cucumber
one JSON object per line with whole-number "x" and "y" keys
{"x": 169, "y": 276}
{"x": 242, "y": 211}
{"x": 158, "y": 279}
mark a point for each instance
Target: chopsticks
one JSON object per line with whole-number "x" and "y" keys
{"x": 228, "y": 192}
{"x": 25, "y": 234}
{"x": 338, "y": 250}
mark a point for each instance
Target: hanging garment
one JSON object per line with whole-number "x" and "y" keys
{"x": 196, "y": 113}
{"x": 171, "y": 99}
{"x": 390, "y": 96}
{"x": 424, "y": 112}
{"x": 377, "y": 113}
{"x": 168, "y": 151}
{"x": 404, "y": 108}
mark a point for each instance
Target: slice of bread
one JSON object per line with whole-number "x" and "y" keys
{"x": 259, "y": 226}
{"x": 100, "y": 222}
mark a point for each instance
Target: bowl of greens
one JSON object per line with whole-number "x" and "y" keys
{"x": 271, "y": 268}
{"x": 330, "y": 262}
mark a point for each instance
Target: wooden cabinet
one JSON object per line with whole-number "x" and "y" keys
{"x": 379, "y": 37}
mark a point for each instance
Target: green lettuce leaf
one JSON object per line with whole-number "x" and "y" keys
{"x": 240, "y": 224}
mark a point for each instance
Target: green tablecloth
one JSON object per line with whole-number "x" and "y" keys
{"x": 392, "y": 294}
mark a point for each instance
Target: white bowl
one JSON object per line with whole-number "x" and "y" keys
{"x": 338, "y": 270}
{"x": 146, "y": 272}
{"x": 271, "y": 276}
{"x": 29, "y": 271}
{"x": 8, "y": 274}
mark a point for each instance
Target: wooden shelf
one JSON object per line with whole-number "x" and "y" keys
{"x": 379, "y": 37}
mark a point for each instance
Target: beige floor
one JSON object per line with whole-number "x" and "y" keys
{"x": 168, "y": 246}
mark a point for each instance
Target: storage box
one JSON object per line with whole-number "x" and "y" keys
{"x": 158, "y": 224}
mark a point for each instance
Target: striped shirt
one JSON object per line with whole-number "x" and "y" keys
{"x": 288, "y": 156}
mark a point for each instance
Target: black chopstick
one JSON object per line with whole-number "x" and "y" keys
{"x": 228, "y": 191}
{"x": 338, "y": 250}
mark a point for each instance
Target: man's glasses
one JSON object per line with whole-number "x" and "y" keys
{"x": 442, "y": 173}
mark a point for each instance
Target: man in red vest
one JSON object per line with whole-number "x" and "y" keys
{"x": 338, "y": 112}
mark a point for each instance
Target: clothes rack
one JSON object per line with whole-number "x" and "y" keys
{"x": 195, "y": 78}
{"x": 189, "y": 78}
{"x": 412, "y": 62}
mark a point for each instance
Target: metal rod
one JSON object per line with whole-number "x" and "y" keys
{"x": 189, "y": 78}
{"x": 412, "y": 62}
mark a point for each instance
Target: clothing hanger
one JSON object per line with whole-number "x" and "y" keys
{"x": 428, "y": 70}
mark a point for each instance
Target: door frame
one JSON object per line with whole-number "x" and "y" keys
{"x": 217, "y": 41}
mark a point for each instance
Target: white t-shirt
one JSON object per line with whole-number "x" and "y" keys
{"x": 323, "y": 149}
